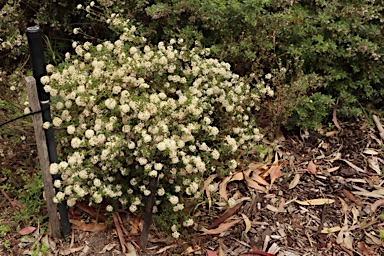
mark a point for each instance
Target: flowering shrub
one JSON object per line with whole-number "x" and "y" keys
{"x": 127, "y": 111}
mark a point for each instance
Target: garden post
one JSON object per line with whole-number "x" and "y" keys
{"x": 38, "y": 66}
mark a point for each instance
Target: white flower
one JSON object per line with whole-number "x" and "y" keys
{"x": 71, "y": 129}
{"x": 79, "y": 6}
{"x": 92, "y": 4}
{"x": 133, "y": 182}
{"x": 147, "y": 138}
{"x": 160, "y": 192}
{"x": 131, "y": 145}
{"x": 152, "y": 173}
{"x": 161, "y": 146}
{"x": 76, "y": 31}
{"x": 144, "y": 115}
{"x": 57, "y": 183}
{"x": 142, "y": 160}
{"x": 188, "y": 223}
{"x": 133, "y": 208}
{"x": 97, "y": 182}
{"x": 57, "y": 121}
{"x": 54, "y": 168}
{"x": 215, "y": 154}
{"x": 173, "y": 199}
{"x": 71, "y": 202}
{"x": 46, "y": 125}
{"x": 60, "y": 196}
{"x": 110, "y": 103}
{"x": 89, "y": 133}
{"x": 44, "y": 80}
{"x": 109, "y": 208}
{"x": 268, "y": 76}
{"x": 75, "y": 142}
{"x": 147, "y": 192}
{"x": 232, "y": 164}
{"x": 27, "y": 110}
{"x": 158, "y": 166}
{"x": 176, "y": 235}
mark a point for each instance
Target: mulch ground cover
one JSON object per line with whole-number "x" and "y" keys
{"x": 317, "y": 193}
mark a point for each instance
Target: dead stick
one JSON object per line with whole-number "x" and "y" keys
{"x": 42, "y": 151}
{"x": 322, "y": 220}
{"x": 334, "y": 116}
{"x": 148, "y": 213}
{"x": 119, "y": 232}
{"x": 225, "y": 216}
{"x": 379, "y": 126}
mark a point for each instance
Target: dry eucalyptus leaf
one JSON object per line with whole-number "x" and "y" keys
{"x": 70, "y": 250}
{"x": 374, "y": 164}
{"x": 248, "y": 224}
{"x": 377, "y": 204}
{"x": 331, "y": 230}
{"x": 295, "y": 181}
{"x": 333, "y": 169}
{"x": 131, "y": 250}
{"x": 331, "y": 133}
{"x": 312, "y": 168}
{"x": 369, "y": 151}
{"x": 220, "y": 229}
{"x": 27, "y": 230}
{"x": 318, "y": 201}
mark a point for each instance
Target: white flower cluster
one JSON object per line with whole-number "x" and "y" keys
{"x": 133, "y": 112}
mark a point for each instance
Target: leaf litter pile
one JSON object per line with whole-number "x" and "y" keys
{"x": 314, "y": 194}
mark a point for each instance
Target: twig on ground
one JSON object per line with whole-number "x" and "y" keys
{"x": 119, "y": 232}
{"x": 379, "y": 126}
{"x": 334, "y": 118}
{"x": 14, "y": 204}
{"x": 225, "y": 216}
{"x": 322, "y": 220}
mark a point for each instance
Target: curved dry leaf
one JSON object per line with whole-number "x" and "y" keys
{"x": 295, "y": 181}
{"x": 223, "y": 185}
{"x": 256, "y": 177}
{"x": 253, "y": 184}
{"x": 248, "y": 224}
{"x": 377, "y": 204}
{"x": 318, "y": 201}
{"x": 333, "y": 169}
{"x": 355, "y": 214}
{"x": 223, "y": 188}
{"x": 27, "y": 231}
{"x": 275, "y": 172}
{"x": 220, "y": 229}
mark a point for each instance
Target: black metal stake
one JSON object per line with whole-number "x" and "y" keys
{"x": 36, "y": 49}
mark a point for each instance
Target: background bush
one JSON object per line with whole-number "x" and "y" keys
{"x": 339, "y": 41}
